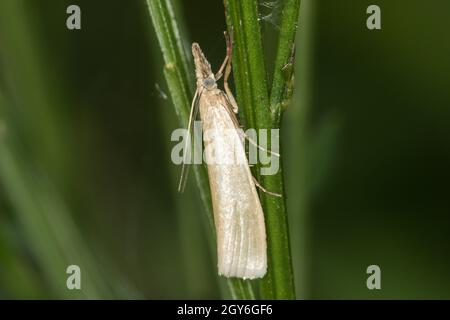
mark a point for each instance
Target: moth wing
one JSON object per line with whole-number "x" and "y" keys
{"x": 238, "y": 215}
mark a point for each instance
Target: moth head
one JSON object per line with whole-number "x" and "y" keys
{"x": 209, "y": 83}
{"x": 203, "y": 72}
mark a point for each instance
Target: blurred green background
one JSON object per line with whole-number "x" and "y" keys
{"x": 86, "y": 176}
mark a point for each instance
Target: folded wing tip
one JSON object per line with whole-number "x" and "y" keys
{"x": 246, "y": 274}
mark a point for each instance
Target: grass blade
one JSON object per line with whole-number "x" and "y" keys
{"x": 253, "y": 97}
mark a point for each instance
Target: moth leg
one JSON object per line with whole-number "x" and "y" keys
{"x": 250, "y": 140}
{"x": 219, "y": 73}
{"x": 241, "y": 132}
{"x": 264, "y": 190}
{"x": 226, "y": 64}
{"x": 230, "y": 96}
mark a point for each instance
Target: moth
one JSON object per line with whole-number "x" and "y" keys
{"x": 238, "y": 215}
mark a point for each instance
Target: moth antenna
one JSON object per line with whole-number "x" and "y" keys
{"x": 188, "y": 144}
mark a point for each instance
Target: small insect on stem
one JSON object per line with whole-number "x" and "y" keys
{"x": 238, "y": 215}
